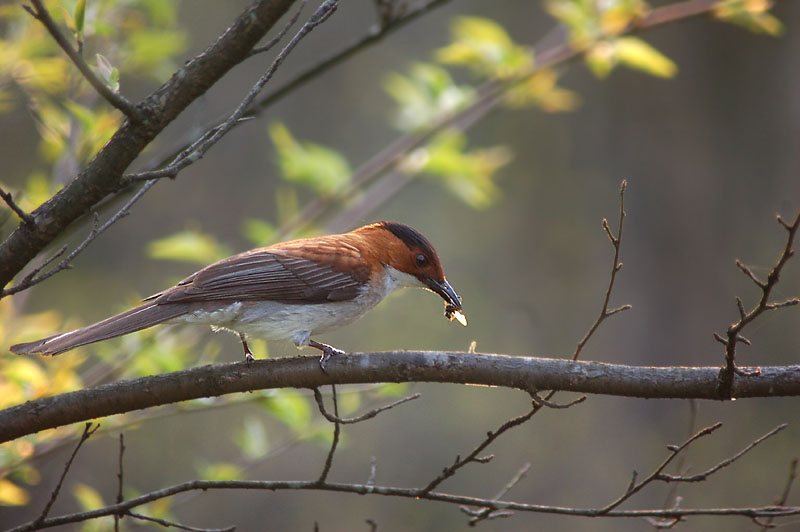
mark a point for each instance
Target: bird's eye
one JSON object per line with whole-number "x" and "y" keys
{"x": 421, "y": 260}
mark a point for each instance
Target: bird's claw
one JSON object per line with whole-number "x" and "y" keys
{"x": 327, "y": 352}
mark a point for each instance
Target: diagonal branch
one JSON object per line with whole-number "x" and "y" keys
{"x": 40, "y": 13}
{"x": 87, "y": 433}
{"x": 102, "y": 176}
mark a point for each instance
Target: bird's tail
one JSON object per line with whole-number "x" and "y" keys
{"x": 136, "y": 319}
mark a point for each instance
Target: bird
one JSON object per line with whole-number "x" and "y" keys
{"x": 287, "y": 291}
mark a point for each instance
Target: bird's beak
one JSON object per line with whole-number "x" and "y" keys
{"x": 452, "y": 307}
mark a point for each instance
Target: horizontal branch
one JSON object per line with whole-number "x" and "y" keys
{"x": 414, "y": 493}
{"x": 525, "y": 373}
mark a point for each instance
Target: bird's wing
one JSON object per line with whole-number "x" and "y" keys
{"x": 273, "y": 275}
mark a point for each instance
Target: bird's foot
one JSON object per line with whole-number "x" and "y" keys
{"x": 248, "y": 355}
{"x": 327, "y": 352}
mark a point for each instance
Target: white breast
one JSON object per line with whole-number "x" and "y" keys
{"x": 272, "y": 320}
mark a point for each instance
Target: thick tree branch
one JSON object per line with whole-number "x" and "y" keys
{"x": 103, "y": 174}
{"x": 400, "y": 366}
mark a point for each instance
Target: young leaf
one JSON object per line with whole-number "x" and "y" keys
{"x": 190, "y": 245}
{"x": 11, "y": 494}
{"x": 316, "y": 167}
{"x": 635, "y": 53}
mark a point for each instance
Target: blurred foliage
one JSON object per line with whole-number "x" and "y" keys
{"x": 126, "y": 39}
{"x": 320, "y": 169}
{"x": 190, "y": 245}
{"x": 426, "y": 94}
{"x": 750, "y": 14}
{"x": 485, "y": 47}
{"x": 72, "y": 120}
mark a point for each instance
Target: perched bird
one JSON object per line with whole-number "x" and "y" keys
{"x": 286, "y": 291}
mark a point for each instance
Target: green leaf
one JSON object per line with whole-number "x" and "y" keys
{"x": 190, "y": 245}
{"x": 80, "y": 15}
{"x": 750, "y": 14}
{"x": 313, "y": 166}
{"x": 427, "y": 93}
{"x": 635, "y": 53}
{"x": 484, "y": 46}
{"x": 108, "y": 72}
{"x": 11, "y": 494}
{"x": 468, "y": 174}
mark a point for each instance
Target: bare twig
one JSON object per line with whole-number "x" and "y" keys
{"x": 336, "y": 430}
{"x": 633, "y": 487}
{"x": 781, "y": 500}
{"x": 34, "y": 277}
{"x": 727, "y": 373}
{"x": 40, "y": 13}
{"x": 87, "y": 433}
{"x": 373, "y": 36}
{"x": 540, "y": 401}
{"x": 173, "y": 524}
{"x": 267, "y": 47}
{"x": 616, "y": 266}
{"x": 725, "y": 463}
{"x": 487, "y": 513}
{"x": 672, "y": 493}
{"x": 119, "y": 479}
{"x": 458, "y": 463}
{"x": 658, "y": 473}
{"x": 369, "y": 415}
{"x": 9, "y": 199}
{"x": 197, "y": 149}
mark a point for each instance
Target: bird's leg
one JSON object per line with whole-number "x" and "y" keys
{"x": 327, "y": 352}
{"x": 248, "y": 355}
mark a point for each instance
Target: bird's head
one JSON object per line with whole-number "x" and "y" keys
{"x": 411, "y": 260}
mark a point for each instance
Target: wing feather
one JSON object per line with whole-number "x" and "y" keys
{"x": 267, "y": 274}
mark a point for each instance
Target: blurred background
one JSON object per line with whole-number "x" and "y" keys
{"x": 710, "y": 156}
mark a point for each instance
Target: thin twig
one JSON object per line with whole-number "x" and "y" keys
{"x": 616, "y": 266}
{"x": 781, "y": 500}
{"x": 725, "y": 463}
{"x": 369, "y": 415}
{"x": 26, "y": 218}
{"x": 458, "y": 463}
{"x": 540, "y": 401}
{"x": 373, "y": 36}
{"x": 633, "y": 487}
{"x": 40, "y": 13}
{"x": 199, "y": 147}
{"x": 278, "y": 38}
{"x": 487, "y": 513}
{"x": 34, "y": 277}
{"x": 119, "y": 479}
{"x": 336, "y": 430}
{"x": 87, "y": 433}
{"x": 672, "y": 493}
{"x": 168, "y": 524}
{"x": 727, "y": 373}
{"x": 658, "y": 474}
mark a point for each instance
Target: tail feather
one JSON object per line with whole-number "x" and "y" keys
{"x": 133, "y": 320}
